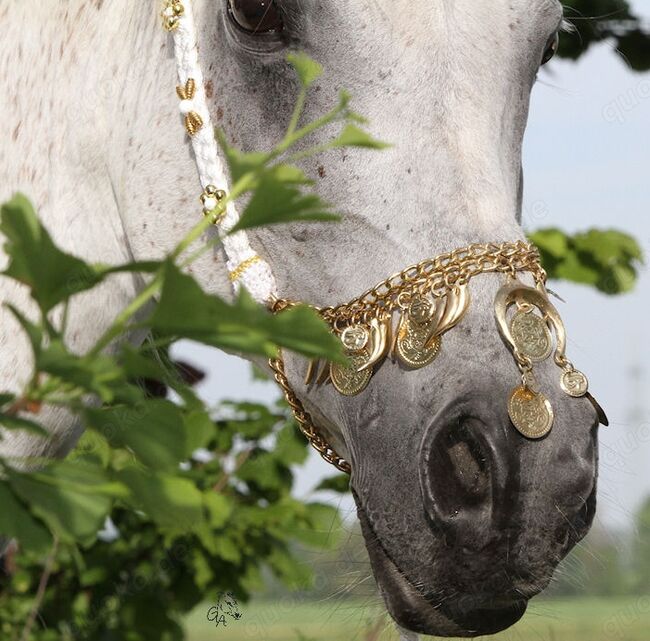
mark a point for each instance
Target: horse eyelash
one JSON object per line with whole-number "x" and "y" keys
{"x": 567, "y": 27}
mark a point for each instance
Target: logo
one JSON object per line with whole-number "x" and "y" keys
{"x": 225, "y": 609}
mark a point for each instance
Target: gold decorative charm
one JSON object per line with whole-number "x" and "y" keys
{"x": 380, "y": 331}
{"x": 188, "y": 91}
{"x": 530, "y": 412}
{"x": 531, "y": 340}
{"x": 429, "y": 299}
{"x": 355, "y": 338}
{"x": 531, "y": 335}
{"x": 574, "y": 383}
{"x": 414, "y": 346}
{"x": 457, "y": 302}
{"x": 349, "y": 378}
{"x": 171, "y": 14}
{"x": 211, "y": 200}
{"x": 193, "y": 122}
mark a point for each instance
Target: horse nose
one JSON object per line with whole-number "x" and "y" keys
{"x": 464, "y": 469}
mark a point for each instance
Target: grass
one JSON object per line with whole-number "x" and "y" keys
{"x": 615, "y": 619}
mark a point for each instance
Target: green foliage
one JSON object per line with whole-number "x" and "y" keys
{"x": 231, "y": 508}
{"x": 308, "y": 70}
{"x": 612, "y": 20}
{"x": 339, "y": 483}
{"x": 52, "y": 275}
{"x": 607, "y": 260}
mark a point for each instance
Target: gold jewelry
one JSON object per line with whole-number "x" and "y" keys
{"x": 211, "y": 199}
{"x": 238, "y": 272}
{"x": 304, "y": 419}
{"x": 193, "y": 122}
{"x": 172, "y": 11}
{"x": 430, "y": 298}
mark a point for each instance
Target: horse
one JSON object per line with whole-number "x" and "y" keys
{"x": 464, "y": 519}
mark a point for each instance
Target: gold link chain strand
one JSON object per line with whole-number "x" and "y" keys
{"x": 304, "y": 419}
{"x": 437, "y": 275}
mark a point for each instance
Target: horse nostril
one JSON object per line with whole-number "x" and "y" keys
{"x": 458, "y": 477}
{"x": 462, "y": 463}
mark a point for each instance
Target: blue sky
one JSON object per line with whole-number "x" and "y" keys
{"x": 586, "y": 160}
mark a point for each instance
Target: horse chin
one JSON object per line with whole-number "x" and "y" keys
{"x": 465, "y": 616}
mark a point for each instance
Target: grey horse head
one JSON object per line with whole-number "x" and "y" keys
{"x": 464, "y": 519}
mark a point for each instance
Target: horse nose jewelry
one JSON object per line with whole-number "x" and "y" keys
{"x": 404, "y": 317}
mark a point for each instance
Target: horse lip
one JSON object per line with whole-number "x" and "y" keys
{"x": 417, "y": 612}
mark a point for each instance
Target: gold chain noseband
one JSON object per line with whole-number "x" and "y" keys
{"x": 431, "y": 298}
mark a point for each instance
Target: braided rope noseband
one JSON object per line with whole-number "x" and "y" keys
{"x": 428, "y": 299}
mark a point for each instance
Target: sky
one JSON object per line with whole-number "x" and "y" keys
{"x": 586, "y": 163}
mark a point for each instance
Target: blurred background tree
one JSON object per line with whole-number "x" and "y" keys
{"x": 611, "y": 20}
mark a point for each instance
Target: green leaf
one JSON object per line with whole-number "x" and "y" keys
{"x": 352, "y": 136}
{"x": 251, "y": 421}
{"x": 243, "y": 326}
{"x": 199, "y": 428}
{"x": 608, "y": 260}
{"x": 174, "y": 503}
{"x": 17, "y": 521}
{"x": 339, "y": 483}
{"x": 154, "y": 430}
{"x": 34, "y": 332}
{"x": 98, "y": 374}
{"x": 11, "y": 422}
{"x": 291, "y": 447}
{"x": 277, "y": 200}
{"x": 240, "y": 163}
{"x": 202, "y": 572}
{"x": 553, "y": 241}
{"x": 302, "y": 330}
{"x": 308, "y": 70}
{"x": 294, "y": 573}
{"x": 261, "y": 470}
{"x": 225, "y": 548}
{"x": 322, "y": 528}
{"x": 5, "y": 399}
{"x": 52, "y": 275}
{"x": 577, "y": 269}
{"x": 219, "y": 508}
{"x": 74, "y": 511}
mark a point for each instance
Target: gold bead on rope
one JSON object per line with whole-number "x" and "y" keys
{"x": 237, "y": 273}
{"x": 211, "y": 199}
{"x": 171, "y": 14}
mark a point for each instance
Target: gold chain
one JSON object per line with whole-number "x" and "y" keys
{"x": 304, "y": 419}
{"x": 435, "y": 277}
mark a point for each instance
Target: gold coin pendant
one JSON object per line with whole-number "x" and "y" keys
{"x": 574, "y": 383}
{"x": 420, "y": 310}
{"x": 530, "y": 412}
{"x": 532, "y": 336}
{"x": 355, "y": 338}
{"x": 346, "y": 377}
{"x": 412, "y": 347}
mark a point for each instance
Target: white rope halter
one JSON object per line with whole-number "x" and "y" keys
{"x": 246, "y": 267}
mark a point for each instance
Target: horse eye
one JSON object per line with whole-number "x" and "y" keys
{"x": 551, "y": 48}
{"x": 256, "y": 16}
